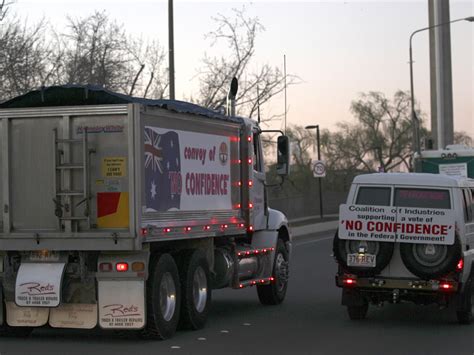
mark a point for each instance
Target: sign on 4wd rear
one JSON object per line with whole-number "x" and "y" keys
{"x": 396, "y": 224}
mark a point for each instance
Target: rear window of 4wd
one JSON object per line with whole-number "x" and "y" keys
{"x": 426, "y": 198}
{"x": 374, "y": 196}
{"x": 404, "y": 197}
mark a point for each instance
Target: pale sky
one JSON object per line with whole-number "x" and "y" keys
{"x": 337, "y": 48}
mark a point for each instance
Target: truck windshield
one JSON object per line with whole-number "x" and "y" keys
{"x": 427, "y": 198}
{"x": 373, "y": 196}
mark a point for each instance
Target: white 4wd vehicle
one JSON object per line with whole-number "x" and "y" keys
{"x": 407, "y": 237}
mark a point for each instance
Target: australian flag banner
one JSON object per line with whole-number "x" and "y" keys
{"x": 162, "y": 166}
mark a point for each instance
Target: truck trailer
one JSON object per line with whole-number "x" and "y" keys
{"x": 125, "y": 213}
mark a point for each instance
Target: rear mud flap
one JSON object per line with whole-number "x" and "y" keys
{"x": 352, "y": 298}
{"x": 26, "y": 316}
{"x": 77, "y": 316}
{"x": 39, "y": 284}
{"x": 121, "y": 304}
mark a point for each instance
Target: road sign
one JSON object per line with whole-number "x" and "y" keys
{"x": 319, "y": 169}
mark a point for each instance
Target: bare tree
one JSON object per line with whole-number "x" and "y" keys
{"x": 381, "y": 138}
{"x": 28, "y": 60}
{"x": 255, "y": 86}
{"x": 462, "y": 138}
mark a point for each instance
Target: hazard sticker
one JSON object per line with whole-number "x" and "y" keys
{"x": 113, "y": 167}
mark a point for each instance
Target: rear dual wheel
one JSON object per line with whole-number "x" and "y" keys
{"x": 196, "y": 290}
{"x": 163, "y": 298}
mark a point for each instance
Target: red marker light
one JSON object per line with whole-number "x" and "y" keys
{"x": 121, "y": 267}
{"x": 249, "y": 161}
{"x": 446, "y": 286}
{"x": 241, "y": 225}
{"x": 348, "y": 281}
{"x": 250, "y": 183}
{"x": 250, "y": 205}
{"x": 250, "y": 228}
{"x": 238, "y": 205}
{"x": 187, "y": 229}
{"x": 249, "y": 138}
{"x": 167, "y": 230}
{"x": 240, "y": 161}
{"x": 206, "y": 228}
{"x": 239, "y": 183}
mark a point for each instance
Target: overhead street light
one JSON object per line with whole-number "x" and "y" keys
{"x": 319, "y": 158}
{"x": 415, "y": 120}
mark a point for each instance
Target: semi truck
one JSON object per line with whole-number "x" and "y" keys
{"x": 125, "y": 213}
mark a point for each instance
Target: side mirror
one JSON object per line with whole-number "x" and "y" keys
{"x": 283, "y": 156}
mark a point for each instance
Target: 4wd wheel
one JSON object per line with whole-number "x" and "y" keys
{"x": 465, "y": 309}
{"x": 196, "y": 290}
{"x": 383, "y": 252}
{"x": 430, "y": 261}
{"x": 275, "y": 292}
{"x": 163, "y": 297}
{"x": 358, "y": 312}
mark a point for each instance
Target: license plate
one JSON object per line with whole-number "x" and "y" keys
{"x": 365, "y": 260}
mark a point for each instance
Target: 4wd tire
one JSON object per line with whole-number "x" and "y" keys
{"x": 465, "y": 309}
{"x": 358, "y": 312}
{"x": 163, "y": 297}
{"x": 196, "y": 289}
{"x": 430, "y": 261}
{"x": 382, "y": 250}
{"x": 275, "y": 292}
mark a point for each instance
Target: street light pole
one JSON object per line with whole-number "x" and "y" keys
{"x": 171, "y": 47}
{"x": 319, "y": 179}
{"x": 415, "y": 120}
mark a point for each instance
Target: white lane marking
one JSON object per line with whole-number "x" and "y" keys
{"x": 246, "y": 324}
{"x": 201, "y": 339}
{"x": 224, "y": 331}
{"x": 314, "y": 241}
{"x": 176, "y": 347}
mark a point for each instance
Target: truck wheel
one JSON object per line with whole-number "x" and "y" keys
{"x": 275, "y": 292}
{"x": 382, "y": 250}
{"x": 430, "y": 260}
{"x": 163, "y": 297}
{"x": 358, "y": 312}
{"x": 196, "y": 290}
{"x": 465, "y": 310}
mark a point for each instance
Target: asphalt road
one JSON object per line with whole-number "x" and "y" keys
{"x": 311, "y": 321}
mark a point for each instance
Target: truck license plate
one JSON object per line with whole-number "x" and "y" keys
{"x": 365, "y": 260}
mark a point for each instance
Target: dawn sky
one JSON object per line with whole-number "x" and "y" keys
{"x": 337, "y": 48}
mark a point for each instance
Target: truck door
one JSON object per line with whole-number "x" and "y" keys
{"x": 257, "y": 203}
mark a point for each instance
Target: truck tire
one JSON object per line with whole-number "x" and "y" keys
{"x": 465, "y": 309}
{"x": 382, "y": 250}
{"x": 275, "y": 292}
{"x": 430, "y": 261}
{"x": 195, "y": 289}
{"x": 163, "y": 297}
{"x": 358, "y": 312}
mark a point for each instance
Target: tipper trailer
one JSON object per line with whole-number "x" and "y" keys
{"x": 125, "y": 213}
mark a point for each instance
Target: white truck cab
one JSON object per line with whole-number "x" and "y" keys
{"x": 407, "y": 237}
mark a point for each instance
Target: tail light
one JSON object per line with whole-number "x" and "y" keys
{"x": 446, "y": 286}
{"x": 460, "y": 265}
{"x": 121, "y": 267}
{"x": 349, "y": 280}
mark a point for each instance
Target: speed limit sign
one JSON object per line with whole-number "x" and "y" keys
{"x": 319, "y": 169}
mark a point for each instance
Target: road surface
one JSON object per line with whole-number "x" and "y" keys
{"x": 311, "y": 321}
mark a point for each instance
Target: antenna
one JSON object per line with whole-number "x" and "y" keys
{"x": 258, "y": 106}
{"x": 284, "y": 73}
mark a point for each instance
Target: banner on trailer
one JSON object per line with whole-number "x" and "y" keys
{"x": 186, "y": 171}
{"x": 396, "y": 224}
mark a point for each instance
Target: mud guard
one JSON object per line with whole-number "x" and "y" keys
{"x": 352, "y": 298}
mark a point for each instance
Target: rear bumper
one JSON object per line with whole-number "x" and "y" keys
{"x": 381, "y": 284}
